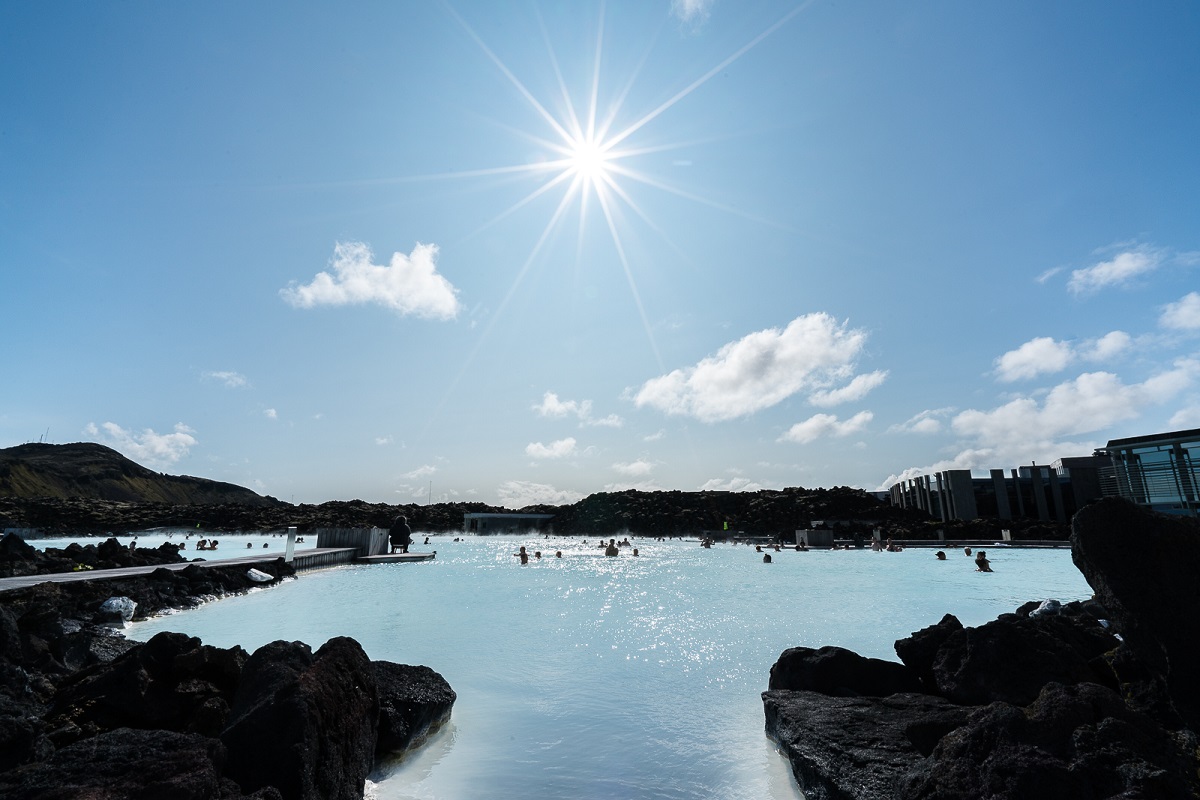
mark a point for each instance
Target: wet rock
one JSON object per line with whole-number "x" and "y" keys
{"x": 840, "y": 672}
{"x": 1012, "y": 658}
{"x": 856, "y": 747}
{"x": 303, "y": 723}
{"x": 919, "y": 650}
{"x": 413, "y": 703}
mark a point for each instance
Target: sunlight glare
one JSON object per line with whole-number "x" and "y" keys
{"x": 588, "y": 159}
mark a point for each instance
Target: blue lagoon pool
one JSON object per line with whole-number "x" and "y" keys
{"x": 595, "y": 677}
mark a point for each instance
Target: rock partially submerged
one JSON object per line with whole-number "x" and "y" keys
{"x": 1043, "y": 703}
{"x": 87, "y": 713}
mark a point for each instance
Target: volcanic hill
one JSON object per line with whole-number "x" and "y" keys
{"x": 92, "y": 471}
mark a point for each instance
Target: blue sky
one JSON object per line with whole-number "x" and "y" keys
{"x": 524, "y": 252}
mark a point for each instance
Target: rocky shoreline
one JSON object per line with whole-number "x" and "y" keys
{"x": 85, "y": 712}
{"x": 1083, "y": 700}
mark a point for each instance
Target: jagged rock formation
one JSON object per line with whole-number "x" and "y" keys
{"x": 87, "y": 713}
{"x": 1043, "y": 703}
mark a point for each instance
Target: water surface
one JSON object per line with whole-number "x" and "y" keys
{"x": 594, "y": 677}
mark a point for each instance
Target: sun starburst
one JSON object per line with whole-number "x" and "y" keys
{"x": 591, "y": 161}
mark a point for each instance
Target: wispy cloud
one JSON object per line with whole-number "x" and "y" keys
{"x": 730, "y": 485}
{"x": 812, "y": 354}
{"x": 552, "y": 406}
{"x": 271, "y": 413}
{"x": 634, "y": 469}
{"x": 233, "y": 380}
{"x": 661, "y": 433}
{"x": 558, "y": 449}
{"x": 423, "y": 471}
{"x": 822, "y": 425}
{"x": 927, "y": 422}
{"x": 409, "y": 284}
{"x": 145, "y": 447}
{"x": 1048, "y": 274}
{"x": 852, "y": 392}
{"x": 692, "y": 12}
{"x": 1117, "y": 271}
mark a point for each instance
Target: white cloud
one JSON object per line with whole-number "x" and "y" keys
{"x": 1024, "y": 430}
{"x": 518, "y": 494}
{"x": 1090, "y": 402}
{"x": 820, "y": 425}
{"x": 758, "y": 371}
{"x": 693, "y": 12}
{"x": 271, "y": 413}
{"x": 423, "y": 471}
{"x": 383, "y": 440}
{"x": 1048, "y": 274}
{"x": 551, "y": 406}
{"x": 1107, "y": 347}
{"x": 1119, "y": 270}
{"x": 409, "y": 284}
{"x": 852, "y": 392}
{"x": 147, "y": 448}
{"x": 559, "y": 449}
{"x": 1186, "y": 417}
{"x": 654, "y": 437}
{"x": 233, "y": 380}
{"x": 1183, "y": 315}
{"x": 928, "y": 421}
{"x": 731, "y": 485}
{"x": 634, "y": 469}
{"x": 1037, "y": 356}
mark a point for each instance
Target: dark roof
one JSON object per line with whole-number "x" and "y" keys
{"x": 1171, "y": 436}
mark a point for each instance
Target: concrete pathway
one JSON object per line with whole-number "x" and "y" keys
{"x": 302, "y": 559}
{"x": 23, "y": 581}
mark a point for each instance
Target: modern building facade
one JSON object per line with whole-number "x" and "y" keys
{"x": 1047, "y": 492}
{"x": 1160, "y": 471}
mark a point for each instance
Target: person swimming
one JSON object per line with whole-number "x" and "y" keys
{"x": 521, "y": 554}
{"x": 981, "y": 562}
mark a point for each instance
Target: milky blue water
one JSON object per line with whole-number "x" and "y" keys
{"x": 594, "y": 677}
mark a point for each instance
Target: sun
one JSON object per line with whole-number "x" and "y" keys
{"x": 588, "y": 159}
{"x": 590, "y": 166}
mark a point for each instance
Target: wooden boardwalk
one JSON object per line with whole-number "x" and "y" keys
{"x": 312, "y": 558}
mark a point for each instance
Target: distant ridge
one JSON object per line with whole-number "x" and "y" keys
{"x": 92, "y": 471}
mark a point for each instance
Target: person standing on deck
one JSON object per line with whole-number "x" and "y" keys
{"x": 400, "y": 535}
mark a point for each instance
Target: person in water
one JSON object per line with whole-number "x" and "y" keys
{"x": 941, "y": 555}
{"x": 981, "y": 562}
{"x": 612, "y": 550}
{"x": 400, "y": 535}
{"x": 521, "y": 554}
